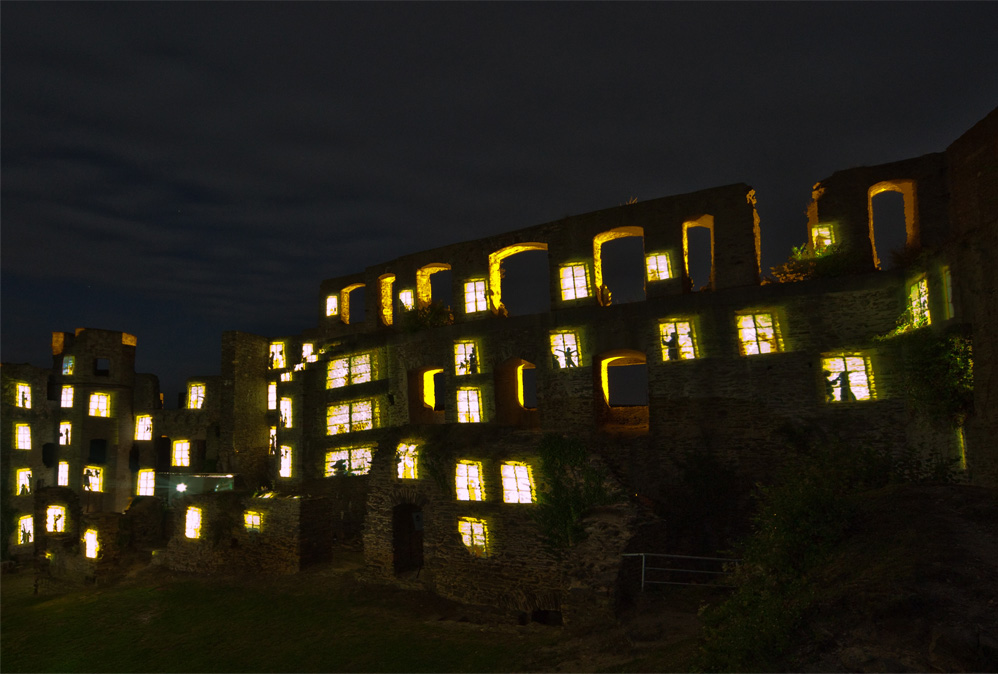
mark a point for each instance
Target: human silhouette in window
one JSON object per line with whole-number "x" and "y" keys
{"x": 672, "y": 346}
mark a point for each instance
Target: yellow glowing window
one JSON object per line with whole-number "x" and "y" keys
{"x": 469, "y": 406}
{"x": 23, "y": 396}
{"x": 55, "y": 519}
{"x": 332, "y": 305}
{"x": 67, "y": 397}
{"x": 565, "y": 349}
{"x": 466, "y": 358}
{"x": 143, "y": 427}
{"x": 181, "y": 453}
{"x": 474, "y": 296}
{"x": 350, "y": 461}
{"x": 678, "y": 340}
{"x": 406, "y": 300}
{"x": 272, "y": 395}
{"x": 192, "y": 523}
{"x": 286, "y": 419}
{"x": 22, "y": 436}
{"x": 948, "y": 290}
{"x": 25, "y": 530}
{"x": 407, "y": 461}
{"x": 147, "y": 483}
{"x": 474, "y": 535}
{"x": 62, "y": 477}
{"x": 286, "y": 376}
{"x": 100, "y": 405}
{"x": 90, "y": 545}
{"x": 277, "y": 359}
{"x": 517, "y": 483}
{"x": 308, "y": 353}
{"x": 848, "y": 378}
{"x": 822, "y": 236}
{"x": 285, "y": 469}
{"x": 273, "y": 439}
{"x": 574, "y": 282}
{"x": 23, "y": 481}
{"x": 658, "y": 267}
{"x": 350, "y": 417}
{"x": 253, "y": 520}
{"x": 195, "y": 396}
{"x": 918, "y": 303}
{"x": 349, "y": 370}
{"x": 68, "y": 365}
{"x": 93, "y": 478}
{"x": 430, "y": 388}
{"x": 65, "y": 433}
{"x": 468, "y": 478}
{"x": 758, "y": 333}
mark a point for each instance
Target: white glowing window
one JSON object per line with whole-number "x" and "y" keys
{"x": 286, "y": 376}
{"x": 517, "y": 483}
{"x": 349, "y": 370}
{"x": 948, "y": 290}
{"x": 332, "y": 305}
{"x": 758, "y": 333}
{"x": 68, "y": 365}
{"x": 192, "y": 523}
{"x": 469, "y": 406}
{"x": 93, "y": 479}
{"x": 474, "y": 296}
{"x": 273, "y": 439}
{"x": 466, "y": 358}
{"x": 350, "y": 417}
{"x": 565, "y": 349}
{"x": 822, "y": 236}
{"x": 272, "y": 395}
{"x": 55, "y": 519}
{"x": 22, "y": 436}
{"x": 918, "y": 303}
{"x": 308, "y": 353}
{"x": 574, "y": 282}
{"x": 285, "y": 469}
{"x": 65, "y": 433}
{"x": 678, "y": 340}
{"x": 848, "y": 378}
{"x": 252, "y": 520}
{"x": 474, "y": 535}
{"x": 181, "y": 453}
{"x": 407, "y": 461}
{"x": 658, "y": 267}
{"x": 350, "y": 461}
{"x": 277, "y": 359}
{"x": 23, "y": 481}
{"x": 62, "y": 476}
{"x": 23, "y": 396}
{"x": 67, "y": 397}
{"x": 405, "y": 299}
{"x": 100, "y": 405}
{"x": 25, "y": 530}
{"x": 286, "y": 419}
{"x": 468, "y": 479}
{"x": 147, "y": 483}
{"x": 195, "y": 396}
{"x": 143, "y": 427}
{"x": 90, "y": 545}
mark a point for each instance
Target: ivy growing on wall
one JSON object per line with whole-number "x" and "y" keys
{"x": 433, "y": 315}
{"x": 937, "y": 373}
{"x": 804, "y": 263}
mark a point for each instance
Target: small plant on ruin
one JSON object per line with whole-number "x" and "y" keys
{"x": 805, "y": 263}
{"x": 433, "y": 315}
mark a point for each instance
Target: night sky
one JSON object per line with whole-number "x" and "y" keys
{"x": 176, "y": 170}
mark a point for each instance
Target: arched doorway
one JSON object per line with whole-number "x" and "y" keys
{"x": 407, "y": 537}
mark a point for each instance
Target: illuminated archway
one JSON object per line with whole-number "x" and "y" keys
{"x": 386, "y": 299}
{"x": 707, "y": 222}
{"x": 345, "y": 301}
{"x": 907, "y": 190}
{"x": 495, "y": 269}
{"x": 424, "y": 291}
{"x": 598, "y": 241}
{"x": 616, "y": 358}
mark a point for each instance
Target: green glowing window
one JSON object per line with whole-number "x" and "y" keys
{"x": 848, "y": 378}
{"x": 22, "y": 436}
{"x": 68, "y": 365}
{"x": 349, "y": 461}
{"x": 143, "y": 427}
{"x": 468, "y": 478}
{"x": 658, "y": 267}
{"x": 66, "y": 400}
{"x": 475, "y": 535}
{"x": 758, "y": 333}
{"x": 565, "y": 349}
{"x": 474, "y": 296}
{"x": 349, "y": 417}
{"x": 918, "y": 303}
{"x": 574, "y": 282}
{"x": 23, "y": 396}
{"x": 407, "y": 461}
{"x": 349, "y": 370}
{"x": 517, "y": 483}
{"x": 469, "y": 406}
{"x": 466, "y": 359}
{"x": 678, "y": 339}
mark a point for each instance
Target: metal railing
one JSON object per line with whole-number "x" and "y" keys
{"x": 645, "y": 568}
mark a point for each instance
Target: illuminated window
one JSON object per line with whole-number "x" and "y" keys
{"x": 25, "y": 530}
{"x": 517, "y": 483}
{"x": 252, "y": 520}
{"x": 277, "y": 359}
{"x": 848, "y": 378}
{"x": 286, "y": 376}
{"x": 565, "y": 349}
{"x": 350, "y": 461}
{"x": 273, "y": 439}
{"x": 62, "y": 477}
{"x": 349, "y": 370}
{"x": 678, "y": 340}
{"x": 948, "y": 290}
{"x": 574, "y": 282}
{"x": 55, "y": 519}
{"x": 195, "y": 396}
{"x": 286, "y": 419}
{"x": 332, "y": 305}
{"x": 658, "y": 267}
{"x": 23, "y": 481}
{"x": 285, "y": 469}
{"x": 182, "y": 453}
{"x": 468, "y": 477}
{"x": 822, "y": 236}
{"x": 147, "y": 483}
{"x": 474, "y": 535}
{"x": 469, "y": 406}
{"x": 407, "y": 461}
{"x": 67, "y": 396}
{"x": 22, "y": 436}
{"x": 406, "y": 300}
{"x": 68, "y": 365}
{"x": 100, "y": 405}
{"x": 93, "y": 479}
{"x": 192, "y": 523}
{"x": 23, "y": 396}
{"x": 350, "y": 417}
{"x": 143, "y": 427}
{"x": 466, "y": 358}
{"x": 918, "y": 303}
{"x": 758, "y": 333}
{"x": 90, "y": 545}
{"x": 308, "y": 353}
{"x": 272, "y": 395}
{"x": 65, "y": 433}
{"x": 474, "y": 296}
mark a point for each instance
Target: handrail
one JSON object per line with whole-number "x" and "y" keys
{"x": 645, "y": 568}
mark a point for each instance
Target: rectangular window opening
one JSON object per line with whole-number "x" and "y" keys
{"x": 758, "y": 334}
{"x": 23, "y": 396}
{"x": 66, "y": 400}
{"x": 349, "y": 417}
{"x": 848, "y": 378}
{"x": 102, "y": 367}
{"x": 466, "y": 360}
{"x": 468, "y": 479}
{"x": 407, "y": 461}
{"x": 62, "y": 474}
{"x": 475, "y": 535}
{"x": 565, "y": 349}
{"x": 181, "y": 453}
{"x": 143, "y": 427}
{"x": 658, "y": 267}
{"x": 195, "y": 396}
{"x": 68, "y": 365}
{"x": 348, "y": 370}
{"x": 278, "y": 361}
{"x": 332, "y": 305}
{"x": 23, "y": 481}
{"x": 55, "y": 519}
{"x": 678, "y": 339}
{"x": 272, "y": 395}
{"x": 192, "y": 523}
{"x": 349, "y": 461}
{"x": 100, "y": 405}
{"x": 469, "y": 406}
{"x": 22, "y": 436}
{"x": 93, "y": 479}
{"x": 286, "y": 463}
{"x": 146, "y": 483}
{"x": 90, "y": 544}
{"x": 66, "y": 433}
{"x": 517, "y": 483}
{"x": 252, "y": 520}
{"x": 25, "y": 530}
{"x": 574, "y": 281}
{"x": 474, "y": 296}
{"x": 918, "y": 303}
{"x": 286, "y": 419}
